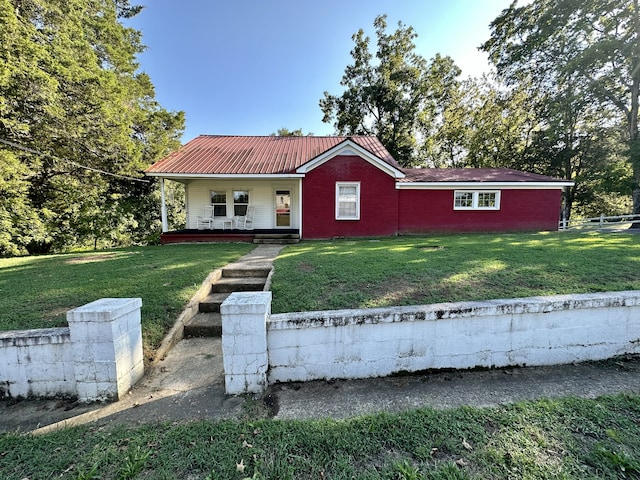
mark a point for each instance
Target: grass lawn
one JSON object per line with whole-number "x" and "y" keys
{"x": 36, "y": 292}
{"x": 336, "y": 274}
{"x": 560, "y": 439}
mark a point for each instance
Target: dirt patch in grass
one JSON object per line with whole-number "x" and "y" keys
{"x": 90, "y": 258}
{"x": 58, "y": 312}
{"x": 397, "y": 291}
{"x": 306, "y": 267}
{"x": 430, "y": 248}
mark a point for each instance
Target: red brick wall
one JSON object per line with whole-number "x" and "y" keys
{"x": 520, "y": 210}
{"x": 378, "y": 200}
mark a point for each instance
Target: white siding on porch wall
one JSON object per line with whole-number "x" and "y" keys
{"x": 261, "y": 197}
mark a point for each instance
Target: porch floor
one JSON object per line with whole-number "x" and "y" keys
{"x": 275, "y": 235}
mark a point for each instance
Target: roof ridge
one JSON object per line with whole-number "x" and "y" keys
{"x": 215, "y": 135}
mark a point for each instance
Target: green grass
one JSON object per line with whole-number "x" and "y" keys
{"x": 432, "y": 269}
{"x": 560, "y": 439}
{"x": 36, "y": 292}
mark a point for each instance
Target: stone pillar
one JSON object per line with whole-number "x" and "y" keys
{"x": 244, "y": 341}
{"x": 106, "y": 340}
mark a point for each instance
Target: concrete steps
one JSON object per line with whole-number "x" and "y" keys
{"x": 204, "y": 325}
{"x": 276, "y": 238}
{"x": 242, "y": 271}
{"x": 240, "y": 284}
{"x": 211, "y": 304}
{"x": 235, "y": 278}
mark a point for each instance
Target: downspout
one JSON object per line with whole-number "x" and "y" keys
{"x": 163, "y": 208}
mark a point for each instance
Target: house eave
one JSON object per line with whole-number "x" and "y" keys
{"x": 482, "y": 185}
{"x": 192, "y": 176}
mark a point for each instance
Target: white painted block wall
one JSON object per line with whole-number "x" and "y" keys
{"x": 36, "y": 363}
{"x": 496, "y": 333}
{"x": 98, "y": 357}
{"x": 244, "y": 341}
{"x": 107, "y": 347}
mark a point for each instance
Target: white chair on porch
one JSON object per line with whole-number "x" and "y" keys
{"x": 244, "y": 222}
{"x": 206, "y": 219}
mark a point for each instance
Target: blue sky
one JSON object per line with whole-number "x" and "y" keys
{"x": 250, "y": 67}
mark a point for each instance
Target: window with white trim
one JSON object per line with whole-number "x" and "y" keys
{"x": 240, "y": 202}
{"x": 476, "y": 200}
{"x": 347, "y": 200}
{"x": 219, "y": 202}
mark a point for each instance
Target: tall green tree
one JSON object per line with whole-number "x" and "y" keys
{"x": 582, "y": 52}
{"x": 485, "y": 125}
{"x": 285, "y": 132}
{"x": 73, "y": 104}
{"x": 391, "y": 93}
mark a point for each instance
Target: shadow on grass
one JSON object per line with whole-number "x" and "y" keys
{"x": 36, "y": 292}
{"x": 450, "y": 268}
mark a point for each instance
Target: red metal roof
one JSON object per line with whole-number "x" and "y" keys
{"x": 271, "y": 155}
{"x": 219, "y": 154}
{"x": 428, "y": 175}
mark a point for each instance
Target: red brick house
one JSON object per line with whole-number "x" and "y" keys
{"x": 325, "y": 187}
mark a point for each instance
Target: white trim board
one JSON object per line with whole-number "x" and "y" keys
{"x": 482, "y": 185}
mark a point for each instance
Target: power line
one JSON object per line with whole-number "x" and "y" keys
{"x": 75, "y": 164}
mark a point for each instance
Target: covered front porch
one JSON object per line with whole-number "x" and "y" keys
{"x": 238, "y": 208}
{"x": 259, "y": 236}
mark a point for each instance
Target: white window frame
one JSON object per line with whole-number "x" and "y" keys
{"x": 476, "y": 199}
{"x": 219, "y": 204}
{"x": 240, "y": 204}
{"x": 339, "y": 201}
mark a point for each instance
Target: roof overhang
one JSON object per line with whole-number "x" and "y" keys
{"x": 199, "y": 176}
{"x": 482, "y": 185}
{"x": 349, "y": 147}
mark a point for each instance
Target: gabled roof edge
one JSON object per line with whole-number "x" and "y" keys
{"x": 363, "y": 152}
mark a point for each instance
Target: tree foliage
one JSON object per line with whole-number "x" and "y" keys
{"x": 483, "y": 125}
{"x": 563, "y": 101}
{"x": 584, "y": 58}
{"x": 392, "y": 94}
{"x": 72, "y": 105}
{"x": 285, "y": 132}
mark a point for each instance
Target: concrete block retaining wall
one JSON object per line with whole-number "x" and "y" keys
{"x": 378, "y": 342}
{"x": 98, "y": 357}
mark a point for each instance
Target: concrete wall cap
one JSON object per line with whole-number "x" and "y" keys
{"x": 104, "y": 309}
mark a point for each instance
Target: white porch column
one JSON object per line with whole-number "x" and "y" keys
{"x": 163, "y": 208}
{"x": 300, "y": 206}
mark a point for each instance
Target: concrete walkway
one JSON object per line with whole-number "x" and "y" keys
{"x": 188, "y": 384}
{"x": 260, "y": 257}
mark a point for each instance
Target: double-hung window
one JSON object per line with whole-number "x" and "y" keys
{"x": 240, "y": 202}
{"x": 348, "y": 201}
{"x": 219, "y": 202}
{"x": 476, "y": 200}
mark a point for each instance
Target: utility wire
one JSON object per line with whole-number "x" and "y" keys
{"x": 103, "y": 172}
